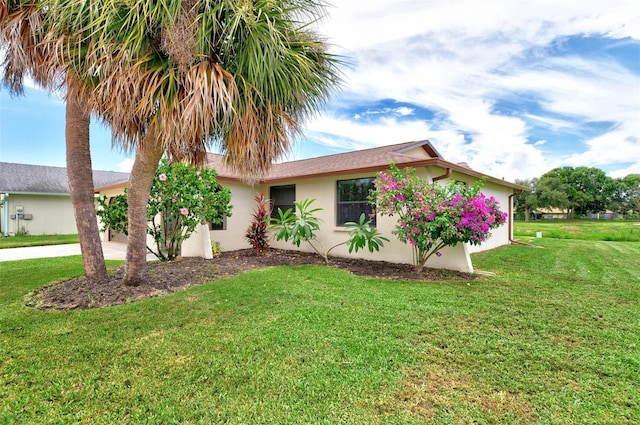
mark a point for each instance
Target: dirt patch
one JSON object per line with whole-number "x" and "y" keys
{"x": 426, "y": 393}
{"x": 167, "y": 277}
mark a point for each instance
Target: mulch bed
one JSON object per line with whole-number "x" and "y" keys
{"x": 167, "y": 277}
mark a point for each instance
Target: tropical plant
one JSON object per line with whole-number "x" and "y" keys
{"x": 181, "y": 198}
{"x": 301, "y": 226}
{"x": 25, "y": 53}
{"x": 175, "y": 76}
{"x": 258, "y": 232}
{"x": 432, "y": 216}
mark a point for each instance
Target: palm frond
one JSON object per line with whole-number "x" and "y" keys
{"x": 241, "y": 74}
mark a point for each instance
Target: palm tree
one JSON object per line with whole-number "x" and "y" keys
{"x": 175, "y": 77}
{"x": 25, "y": 54}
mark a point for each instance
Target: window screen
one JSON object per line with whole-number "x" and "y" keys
{"x": 282, "y": 197}
{"x": 353, "y": 200}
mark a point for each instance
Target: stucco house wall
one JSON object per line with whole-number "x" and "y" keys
{"x": 324, "y": 191}
{"x": 43, "y": 192}
{"x": 50, "y": 214}
{"x": 232, "y": 236}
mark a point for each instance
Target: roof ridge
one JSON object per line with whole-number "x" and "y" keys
{"x": 397, "y": 146}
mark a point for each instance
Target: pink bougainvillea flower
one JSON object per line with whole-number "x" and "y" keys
{"x": 184, "y": 211}
{"x": 162, "y": 177}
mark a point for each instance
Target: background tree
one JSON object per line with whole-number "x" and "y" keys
{"x": 551, "y": 192}
{"x": 627, "y": 194}
{"x": 25, "y": 54}
{"x": 181, "y": 198}
{"x": 587, "y": 189}
{"x": 526, "y": 202}
{"x": 176, "y": 76}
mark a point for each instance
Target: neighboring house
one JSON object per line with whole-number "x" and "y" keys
{"x": 328, "y": 179}
{"x": 550, "y": 213}
{"x": 35, "y": 199}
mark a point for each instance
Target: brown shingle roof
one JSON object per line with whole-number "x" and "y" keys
{"x": 362, "y": 160}
{"x": 367, "y": 160}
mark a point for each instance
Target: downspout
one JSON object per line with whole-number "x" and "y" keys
{"x": 5, "y": 214}
{"x": 446, "y": 175}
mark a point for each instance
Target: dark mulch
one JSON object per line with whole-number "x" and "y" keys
{"x": 168, "y": 277}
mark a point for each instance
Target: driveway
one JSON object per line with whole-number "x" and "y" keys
{"x": 111, "y": 250}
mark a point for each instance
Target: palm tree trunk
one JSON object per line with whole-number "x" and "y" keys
{"x": 80, "y": 176}
{"x": 139, "y": 187}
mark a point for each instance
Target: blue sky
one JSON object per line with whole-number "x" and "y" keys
{"x": 513, "y": 88}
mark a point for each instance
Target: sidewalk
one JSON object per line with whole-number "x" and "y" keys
{"x": 111, "y": 250}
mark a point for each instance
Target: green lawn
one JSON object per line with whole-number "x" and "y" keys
{"x": 552, "y": 338}
{"x": 595, "y": 230}
{"x": 36, "y": 240}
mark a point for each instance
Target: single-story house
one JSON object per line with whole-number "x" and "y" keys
{"x": 550, "y": 213}
{"x": 35, "y": 199}
{"x": 324, "y": 179}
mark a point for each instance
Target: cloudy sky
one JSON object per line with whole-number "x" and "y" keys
{"x": 513, "y": 88}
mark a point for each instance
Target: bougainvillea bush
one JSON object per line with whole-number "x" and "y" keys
{"x": 182, "y": 197}
{"x": 432, "y": 216}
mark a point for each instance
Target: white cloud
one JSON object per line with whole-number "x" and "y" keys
{"x": 404, "y": 111}
{"x": 125, "y": 165}
{"x": 461, "y": 58}
{"x": 348, "y": 135}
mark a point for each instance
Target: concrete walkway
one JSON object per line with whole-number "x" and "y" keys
{"x": 111, "y": 250}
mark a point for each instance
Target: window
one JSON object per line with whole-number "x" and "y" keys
{"x": 219, "y": 226}
{"x": 353, "y": 200}
{"x": 223, "y": 224}
{"x": 282, "y": 197}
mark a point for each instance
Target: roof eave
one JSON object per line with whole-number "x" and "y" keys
{"x": 429, "y": 162}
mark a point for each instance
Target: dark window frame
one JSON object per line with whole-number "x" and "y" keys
{"x": 275, "y": 199}
{"x": 219, "y": 226}
{"x": 350, "y": 210}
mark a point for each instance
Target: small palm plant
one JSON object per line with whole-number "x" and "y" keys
{"x": 302, "y": 226}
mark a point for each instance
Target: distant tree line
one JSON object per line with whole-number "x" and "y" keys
{"x": 579, "y": 192}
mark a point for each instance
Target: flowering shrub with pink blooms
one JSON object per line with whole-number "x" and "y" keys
{"x": 432, "y": 216}
{"x": 181, "y": 198}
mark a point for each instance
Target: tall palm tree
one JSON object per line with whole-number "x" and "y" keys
{"x": 25, "y": 54}
{"x": 176, "y": 77}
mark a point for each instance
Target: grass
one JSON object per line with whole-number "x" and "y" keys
{"x": 552, "y": 339}
{"x": 36, "y": 240}
{"x": 622, "y": 231}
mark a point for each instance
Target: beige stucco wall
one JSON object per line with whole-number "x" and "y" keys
{"x": 52, "y": 214}
{"x": 232, "y": 237}
{"x": 324, "y": 191}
